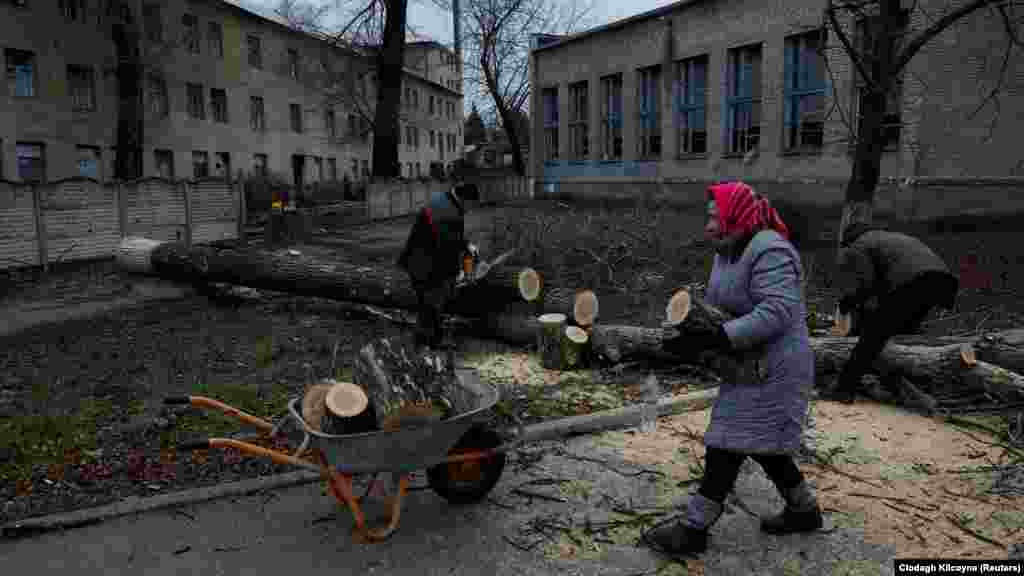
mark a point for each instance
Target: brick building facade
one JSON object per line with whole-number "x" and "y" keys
{"x": 662, "y": 103}
{"x": 224, "y": 91}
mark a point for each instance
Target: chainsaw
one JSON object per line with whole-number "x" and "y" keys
{"x": 474, "y": 271}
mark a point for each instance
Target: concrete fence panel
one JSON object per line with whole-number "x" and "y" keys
{"x": 155, "y": 208}
{"x": 213, "y": 208}
{"x": 80, "y": 220}
{"x": 19, "y": 239}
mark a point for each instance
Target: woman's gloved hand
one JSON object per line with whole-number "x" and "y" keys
{"x": 695, "y": 340}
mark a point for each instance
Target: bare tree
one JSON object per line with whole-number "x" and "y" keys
{"x": 496, "y": 36}
{"x": 879, "y": 40}
{"x": 368, "y": 81}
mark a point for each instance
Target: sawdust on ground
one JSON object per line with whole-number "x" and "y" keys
{"x": 918, "y": 491}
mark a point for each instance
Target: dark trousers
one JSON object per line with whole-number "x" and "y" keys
{"x": 900, "y": 312}
{"x": 721, "y": 467}
{"x": 431, "y": 302}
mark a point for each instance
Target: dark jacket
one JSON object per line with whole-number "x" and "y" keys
{"x": 437, "y": 241}
{"x": 874, "y": 262}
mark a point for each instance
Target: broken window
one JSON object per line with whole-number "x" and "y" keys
{"x": 219, "y": 105}
{"x": 81, "y": 87}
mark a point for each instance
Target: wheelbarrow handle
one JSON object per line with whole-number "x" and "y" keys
{"x": 250, "y": 449}
{"x": 204, "y": 402}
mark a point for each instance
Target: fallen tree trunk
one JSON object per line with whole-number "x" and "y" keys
{"x": 290, "y": 271}
{"x": 579, "y": 306}
{"x": 1003, "y": 348}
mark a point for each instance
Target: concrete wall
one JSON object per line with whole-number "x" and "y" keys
{"x": 942, "y": 86}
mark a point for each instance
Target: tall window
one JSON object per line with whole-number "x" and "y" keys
{"x": 330, "y": 124}
{"x": 691, "y": 105}
{"x": 431, "y": 104}
{"x": 743, "y": 115}
{"x": 255, "y": 53}
{"x": 152, "y": 21}
{"x": 89, "y": 162}
{"x": 579, "y": 109}
{"x": 196, "y": 107}
{"x": 31, "y": 162}
{"x": 80, "y": 83}
{"x": 215, "y": 36}
{"x": 432, "y": 139}
{"x": 332, "y": 169}
{"x": 158, "y": 96}
{"x": 550, "y": 97}
{"x": 21, "y": 73}
{"x": 219, "y": 105}
{"x": 164, "y": 160}
{"x": 257, "y": 118}
{"x": 200, "y": 165}
{"x": 190, "y": 25}
{"x": 611, "y": 117}
{"x": 892, "y": 121}
{"x": 223, "y": 168}
{"x": 352, "y": 125}
{"x": 296, "y": 117}
{"x": 259, "y": 164}
{"x": 804, "y": 117}
{"x": 293, "y": 64}
{"x": 649, "y": 143}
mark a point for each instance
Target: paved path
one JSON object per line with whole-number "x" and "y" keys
{"x": 301, "y": 531}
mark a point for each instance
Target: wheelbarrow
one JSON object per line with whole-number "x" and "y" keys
{"x": 463, "y": 458}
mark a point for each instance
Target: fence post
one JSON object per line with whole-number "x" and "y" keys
{"x": 185, "y": 189}
{"x": 243, "y": 210}
{"x": 37, "y": 209}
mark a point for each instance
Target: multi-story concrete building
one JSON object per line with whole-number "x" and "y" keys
{"x": 224, "y": 91}
{"x": 431, "y": 126}
{"x": 662, "y": 103}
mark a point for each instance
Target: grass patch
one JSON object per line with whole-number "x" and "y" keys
{"x": 856, "y": 568}
{"x": 52, "y": 439}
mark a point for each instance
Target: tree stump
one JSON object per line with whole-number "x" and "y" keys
{"x": 409, "y": 387}
{"x": 574, "y": 347}
{"x": 549, "y": 344}
{"x": 314, "y": 406}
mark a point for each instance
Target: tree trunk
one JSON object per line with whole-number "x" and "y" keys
{"x": 549, "y": 340}
{"x": 128, "y": 154}
{"x": 580, "y": 306}
{"x": 389, "y": 90}
{"x": 575, "y": 344}
{"x": 385, "y": 286}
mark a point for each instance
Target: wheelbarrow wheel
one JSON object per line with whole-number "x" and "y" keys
{"x": 469, "y": 481}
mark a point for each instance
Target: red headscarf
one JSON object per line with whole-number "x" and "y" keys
{"x": 741, "y": 210}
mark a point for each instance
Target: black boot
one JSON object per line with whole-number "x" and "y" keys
{"x": 801, "y": 514}
{"x": 840, "y": 390}
{"x": 688, "y": 535}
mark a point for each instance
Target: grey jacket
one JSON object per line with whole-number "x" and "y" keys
{"x": 874, "y": 262}
{"x": 762, "y": 402}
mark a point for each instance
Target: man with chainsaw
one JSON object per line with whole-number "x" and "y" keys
{"x": 433, "y": 257}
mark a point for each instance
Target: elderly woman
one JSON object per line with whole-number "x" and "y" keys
{"x": 762, "y": 401}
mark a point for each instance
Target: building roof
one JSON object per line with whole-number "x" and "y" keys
{"x": 554, "y": 41}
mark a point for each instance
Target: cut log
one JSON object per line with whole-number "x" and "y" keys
{"x": 549, "y": 340}
{"x": 580, "y": 307}
{"x": 348, "y": 410}
{"x": 574, "y": 347}
{"x": 407, "y": 386}
{"x": 685, "y": 310}
{"x": 314, "y": 405}
{"x": 996, "y": 380}
{"x": 291, "y": 271}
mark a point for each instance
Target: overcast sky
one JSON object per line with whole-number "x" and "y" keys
{"x": 430, "y": 21}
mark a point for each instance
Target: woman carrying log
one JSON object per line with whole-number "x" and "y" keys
{"x": 759, "y": 413}
{"x": 433, "y": 259}
{"x": 906, "y": 277}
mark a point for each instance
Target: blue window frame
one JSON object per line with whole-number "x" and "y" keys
{"x": 579, "y": 111}
{"x": 804, "y": 117}
{"x": 611, "y": 117}
{"x": 550, "y": 97}
{"x": 691, "y": 105}
{"x": 649, "y": 141}
{"x": 743, "y": 103}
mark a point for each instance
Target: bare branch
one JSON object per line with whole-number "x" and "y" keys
{"x": 848, "y": 46}
{"x": 936, "y": 28}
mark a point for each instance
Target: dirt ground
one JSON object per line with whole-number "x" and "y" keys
{"x": 81, "y": 397}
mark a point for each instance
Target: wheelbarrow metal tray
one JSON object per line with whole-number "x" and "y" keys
{"x": 406, "y": 449}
